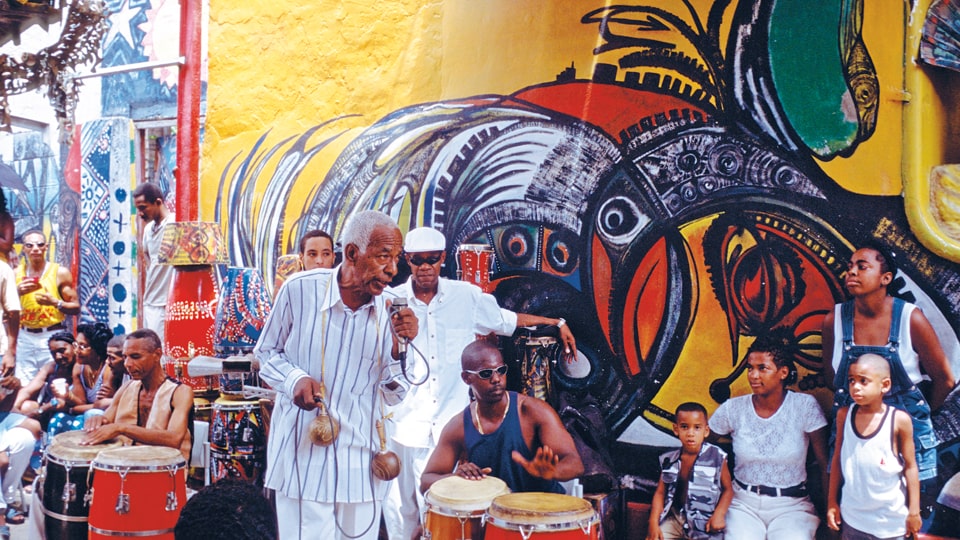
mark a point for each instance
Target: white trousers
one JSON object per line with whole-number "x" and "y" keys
{"x": 153, "y": 318}
{"x": 33, "y": 351}
{"x": 19, "y": 442}
{"x": 760, "y": 517}
{"x": 308, "y": 520}
{"x": 403, "y": 506}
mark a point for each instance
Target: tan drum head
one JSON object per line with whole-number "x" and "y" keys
{"x": 140, "y": 458}
{"x": 540, "y": 509}
{"x": 66, "y": 447}
{"x": 227, "y": 404}
{"x": 458, "y": 494}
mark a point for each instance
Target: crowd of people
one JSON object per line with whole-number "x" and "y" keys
{"x": 346, "y": 349}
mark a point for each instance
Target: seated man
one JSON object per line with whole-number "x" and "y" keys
{"x": 151, "y": 409}
{"x": 17, "y": 438}
{"x": 115, "y": 374}
{"x": 516, "y": 438}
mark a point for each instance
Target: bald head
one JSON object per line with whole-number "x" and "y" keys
{"x": 877, "y": 364}
{"x": 479, "y": 353}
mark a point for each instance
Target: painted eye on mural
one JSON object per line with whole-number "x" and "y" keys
{"x": 786, "y": 176}
{"x": 726, "y": 160}
{"x": 517, "y": 246}
{"x": 619, "y": 219}
{"x": 688, "y": 161}
{"x": 560, "y": 252}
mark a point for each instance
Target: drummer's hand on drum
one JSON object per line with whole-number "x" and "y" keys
{"x": 471, "y": 471}
{"x": 569, "y": 344}
{"x": 93, "y": 423}
{"x": 101, "y": 433}
{"x": 304, "y": 392}
{"x": 543, "y": 465}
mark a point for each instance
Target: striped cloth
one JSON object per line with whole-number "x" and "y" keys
{"x": 309, "y": 320}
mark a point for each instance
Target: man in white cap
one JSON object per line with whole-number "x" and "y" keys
{"x": 451, "y": 314}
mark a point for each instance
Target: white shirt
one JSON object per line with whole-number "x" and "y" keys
{"x": 769, "y": 451}
{"x": 453, "y": 319}
{"x": 308, "y": 309}
{"x": 156, "y": 284}
{"x": 908, "y": 356}
{"x": 9, "y": 298}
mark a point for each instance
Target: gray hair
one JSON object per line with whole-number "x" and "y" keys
{"x": 360, "y": 227}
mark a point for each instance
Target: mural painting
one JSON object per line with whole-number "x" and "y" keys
{"x": 687, "y": 194}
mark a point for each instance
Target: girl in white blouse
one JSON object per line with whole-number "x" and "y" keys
{"x": 772, "y": 429}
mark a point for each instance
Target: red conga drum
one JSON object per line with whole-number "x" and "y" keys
{"x": 188, "y": 330}
{"x": 542, "y": 516}
{"x": 138, "y": 491}
{"x": 474, "y": 262}
{"x": 455, "y": 507}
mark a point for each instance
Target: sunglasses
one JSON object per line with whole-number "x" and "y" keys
{"x": 29, "y": 245}
{"x": 417, "y": 260}
{"x": 487, "y": 373}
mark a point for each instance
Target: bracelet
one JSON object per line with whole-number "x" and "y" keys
{"x": 60, "y": 305}
{"x": 561, "y": 322}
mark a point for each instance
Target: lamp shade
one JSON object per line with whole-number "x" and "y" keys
{"x": 191, "y": 243}
{"x": 241, "y": 312}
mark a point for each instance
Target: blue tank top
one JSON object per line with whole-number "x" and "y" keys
{"x": 494, "y": 450}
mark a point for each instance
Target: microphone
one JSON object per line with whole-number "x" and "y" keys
{"x": 395, "y": 307}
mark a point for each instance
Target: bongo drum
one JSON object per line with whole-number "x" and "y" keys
{"x": 475, "y": 261}
{"x": 455, "y": 507}
{"x": 540, "y": 515}
{"x": 65, "y": 484}
{"x": 138, "y": 491}
{"x": 237, "y": 441}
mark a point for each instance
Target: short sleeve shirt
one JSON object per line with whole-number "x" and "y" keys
{"x": 769, "y": 451}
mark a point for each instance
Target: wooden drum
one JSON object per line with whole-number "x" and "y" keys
{"x": 550, "y": 516}
{"x": 64, "y": 484}
{"x": 455, "y": 507}
{"x": 139, "y": 491}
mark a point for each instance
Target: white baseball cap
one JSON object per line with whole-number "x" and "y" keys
{"x": 424, "y": 239}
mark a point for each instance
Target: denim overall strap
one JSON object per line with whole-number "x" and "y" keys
{"x": 903, "y": 393}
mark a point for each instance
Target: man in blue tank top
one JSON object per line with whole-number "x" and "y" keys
{"x": 516, "y": 438}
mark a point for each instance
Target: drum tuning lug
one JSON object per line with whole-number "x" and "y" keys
{"x": 69, "y": 494}
{"x": 123, "y": 504}
{"x": 172, "y": 502}
{"x": 88, "y": 498}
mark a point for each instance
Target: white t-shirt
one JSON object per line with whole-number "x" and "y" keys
{"x": 9, "y": 299}
{"x": 908, "y": 356}
{"x": 769, "y": 451}
{"x": 158, "y": 277}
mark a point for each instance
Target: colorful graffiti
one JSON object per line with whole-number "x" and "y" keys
{"x": 671, "y": 205}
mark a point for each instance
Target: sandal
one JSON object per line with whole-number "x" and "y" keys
{"x": 15, "y": 516}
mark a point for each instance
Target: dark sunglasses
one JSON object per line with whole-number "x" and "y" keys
{"x": 487, "y": 373}
{"x": 28, "y": 245}
{"x": 417, "y": 260}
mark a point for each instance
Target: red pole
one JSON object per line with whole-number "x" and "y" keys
{"x": 188, "y": 112}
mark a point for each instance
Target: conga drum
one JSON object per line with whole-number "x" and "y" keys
{"x": 237, "y": 441}
{"x": 64, "y": 484}
{"x": 242, "y": 311}
{"x": 539, "y": 355}
{"x": 474, "y": 264}
{"x": 138, "y": 491}
{"x": 547, "y": 516}
{"x": 455, "y": 507}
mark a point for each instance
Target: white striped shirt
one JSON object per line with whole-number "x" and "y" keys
{"x": 308, "y": 309}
